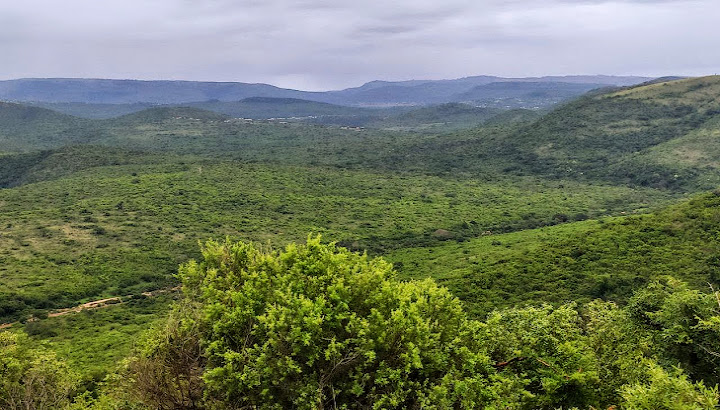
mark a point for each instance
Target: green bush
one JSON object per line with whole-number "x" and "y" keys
{"x": 314, "y": 326}
{"x": 32, "y": 378}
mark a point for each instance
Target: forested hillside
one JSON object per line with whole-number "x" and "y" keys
{"x": 647, "y": 136}
{"x": 605, "y": 258}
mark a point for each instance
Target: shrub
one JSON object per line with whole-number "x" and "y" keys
{"x": 316, "y": 326}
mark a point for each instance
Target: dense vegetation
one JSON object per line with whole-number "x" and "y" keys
{"x": 606, "y": 258}
{"x": 316, "y": 327}
{"x": 661, "y": 135}
{"x": 558, "y": 233}
{"x": 123, "y": 229}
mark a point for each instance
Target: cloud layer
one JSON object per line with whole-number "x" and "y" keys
{"x": 322, "y": 44}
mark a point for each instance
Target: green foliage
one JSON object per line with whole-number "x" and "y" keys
{"x": 21, "y": 169}
{"x": 668, "y": 391}
{"x": 24, "y": 128}
{"x": 166, "y": 372}
{"x": 548, "y": 349}
{"x": 620, "y": 347}
{"x": 643, "y": 136}
{"x": 680, "y": 321}
{"x": 314, "y": 326}
{"x": 93, "y": 342}
{"x": 123, "y": 229}
{"x": 84, "y": 222}
{"x": 606, "y": 259}
{"x": 32, "y": 378}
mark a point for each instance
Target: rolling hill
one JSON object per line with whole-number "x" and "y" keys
{"x": 84, "y": 223}
{"x": 265, "y": 108}
{"x": 24, "y": 128}
{"x": 252, "y": 107}
{"x": 505, "y": 207}
{"x": 606, "y": 258}
{"x": 660, "y": 135}
{"x": 518, "y": 94}
{"x": 438, "y": 118}
{"x": 621, "y": 136}
{"x": 104, "y": 91}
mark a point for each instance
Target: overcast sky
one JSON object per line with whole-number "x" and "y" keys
{"x": 329, "y": 44}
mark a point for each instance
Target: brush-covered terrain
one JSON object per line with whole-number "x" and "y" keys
{"x": 565, "y": 236}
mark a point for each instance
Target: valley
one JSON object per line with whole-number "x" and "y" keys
{"x": 580, "y": 209}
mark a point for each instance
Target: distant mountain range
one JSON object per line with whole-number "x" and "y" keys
{"x": 481, "y": 90}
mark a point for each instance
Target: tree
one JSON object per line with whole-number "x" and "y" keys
{"x": 166, "y": 373}
{"x": 668, "y": 391}
{"x": 547, "y": 349}
{"x": 315, "y": 326}
{"x": 683, "y": 324}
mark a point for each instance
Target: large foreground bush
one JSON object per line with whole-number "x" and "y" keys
{"x": 318, "y": 327}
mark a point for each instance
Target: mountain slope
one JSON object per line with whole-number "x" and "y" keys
{"x": 613, "y": 136}
{"x": 135, "y": 91}
{"x": 92, "y": 110}
{"x": 104, "y": 91}
{"x": 161, "y": 114}
{"x": 445, "y": 117}
{"x": 23, "y": 128}
{"x": 106, "y": 224}
{"x": 580, "y": 261}
{"x": 266, "y": 107}
{"x": 36, "y": 166}
{"x": 421, "y": 92}
{"x": 524, "y": 94}
{"x": 660, "y": 135}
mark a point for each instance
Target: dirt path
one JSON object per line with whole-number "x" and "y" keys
{"x": 97, "y": 304}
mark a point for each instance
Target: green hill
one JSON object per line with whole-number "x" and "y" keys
{"x": 443, "y": 117}
{"x": 92, "y": 110}
{"x": 25, "y": 168}
{"x": 23, "y": 128}
{"x": 282, "y": 108}
{"x": 189, "y": 130}
{"x": 660, "y": 135}
{"x": 525, "y": 94}
{"x": 582, "y": 261}
{"x": 120, "y": 223}
{"x": 161, "y": 114}
{"x": 619, "y": 136}
{"x": 525, "y": 207}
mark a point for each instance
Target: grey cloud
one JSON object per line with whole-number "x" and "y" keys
{"x": 387, "y": 29}
{"x": 337, "y": 43}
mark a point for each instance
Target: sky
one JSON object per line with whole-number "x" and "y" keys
{"x": 333, "y": 44}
